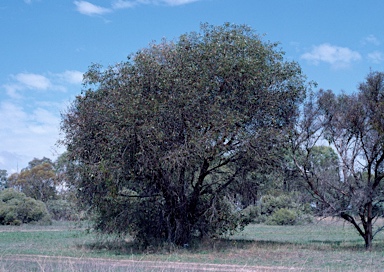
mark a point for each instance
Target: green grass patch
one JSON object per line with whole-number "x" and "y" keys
{"x": 324, "y": 246}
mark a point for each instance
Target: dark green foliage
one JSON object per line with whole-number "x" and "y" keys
{"x": 160, "y": 145}
{"x": 16, "y": 208}
{"x": 61, "y": 209}
{"x": 269, "y": 204}
{"x": 3, "y": 179}
{"x": 140, "y": 217}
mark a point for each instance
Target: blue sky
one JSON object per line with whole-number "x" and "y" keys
{"x": 46, "y": 45}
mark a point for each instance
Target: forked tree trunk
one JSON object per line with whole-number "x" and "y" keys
{"x": 176, "y": 215}
{"x": 367, "y": 224}
{"x": 365, "y": 232}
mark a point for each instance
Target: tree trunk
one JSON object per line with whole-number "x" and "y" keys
{"x": 176, "y": 213}
{"x": 366, "y": 233}
{"x": 178, "y": 230}
{"x": 368, "y": 237}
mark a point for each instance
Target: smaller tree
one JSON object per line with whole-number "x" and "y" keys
{"x": 38, "y": 180}
{"x": 349, "y": 184}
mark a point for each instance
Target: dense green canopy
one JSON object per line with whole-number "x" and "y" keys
{"x": 160, "y": 143}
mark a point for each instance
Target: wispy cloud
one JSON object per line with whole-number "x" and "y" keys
{"x": 30, "y": 115}
{"x": 178, "y": 2}
{"x": 376, "y": 57}
{"x": 39, "y": 82}
{"x": 121, "y": 4}
{"x": 371, "y": 39}
{"x": 90, "y": 9}
{"x": 30, "y": 1}
{"x": 33, "y": 81}
{"x": 43, "y": 121}
{"x": 72, "y": 77}
{"x": 338, "y": 57}
{"x": 26, "y": 134}
{"x": 12, "y": 90}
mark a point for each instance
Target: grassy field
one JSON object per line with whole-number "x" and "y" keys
{"x": 323, "y": 246}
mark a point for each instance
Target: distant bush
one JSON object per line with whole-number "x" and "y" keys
{"x": 269, "y": 204}
{"x": 280, "y": 210}
{"x": 252, "y": 212}
{"x": 283, "y": 216}
{"x": 16, "y": 208}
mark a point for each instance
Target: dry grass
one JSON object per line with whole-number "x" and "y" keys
{"x": 327, "y": 245}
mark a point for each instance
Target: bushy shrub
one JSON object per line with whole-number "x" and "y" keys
{"x": 269, "y": 204}
{"x": 283, "y": 216}
{"x": 16, "y": 208}
{"x": 280, "y": 210}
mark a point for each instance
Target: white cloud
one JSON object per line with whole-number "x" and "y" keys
{"x": 33, "y": 81}
{"x": 178, "y": 2}
{"x": 50, "y": 81}
{"x": 26, "y": 135}
{"x": 11, "y": 117}
{"x": 166, "y": 2}
{"x": 90, "y": 9}
{"x": 30, "y": 1}
{"x": 371, "y": 39}
{"x": 121, "y": 4}
{"x": 43, "y": 116}
{"x": 12, "y": 90}
{"x": 10, "y": 161}
{"x": 71, "y": 76}
{"x": 30, "y": 116}
{"x": 15, "y": 122}
{"x": 43, "y": 122}
{"x": 336, "y": 56}
{"x": 376, "y": 56}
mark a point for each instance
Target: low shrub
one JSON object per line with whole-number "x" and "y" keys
{"x": 280, "y": 210}
{"x": 283, "y": 216}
